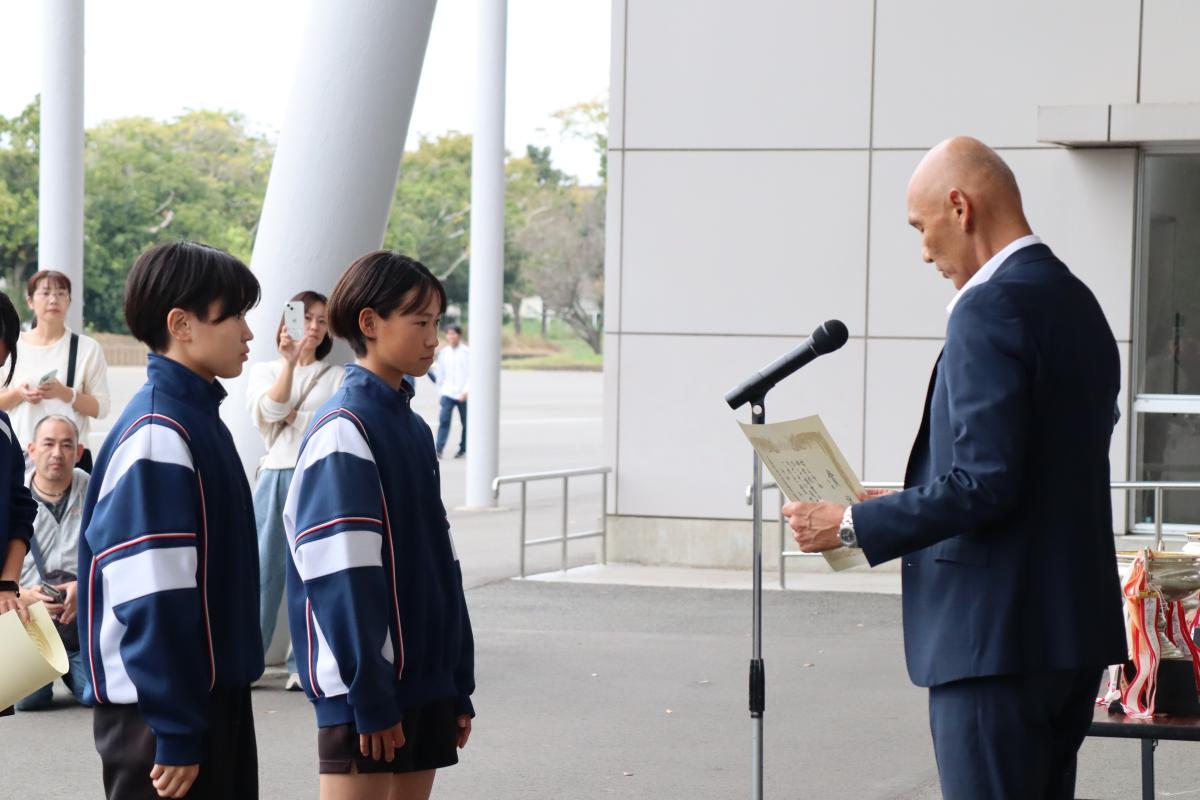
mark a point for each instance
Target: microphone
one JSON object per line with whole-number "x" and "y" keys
{"x": 829, "y": 337}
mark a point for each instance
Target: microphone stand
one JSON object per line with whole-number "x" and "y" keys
{"x": 758, "y": 678}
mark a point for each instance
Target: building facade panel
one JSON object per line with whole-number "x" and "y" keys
{"x": 616, "y": 87}
{"x": 730, "y": 258}
{"x": 682, "y": 453}
{"x": 1170, "y": 56}
{"x": 712, "y": 241}
{"x": 984, "y": 68}
{"x": 907, "y": 297}
{"x": 614, "y": 216}
{"x": 898, "y": 372}
{"x": 755, "y": 74}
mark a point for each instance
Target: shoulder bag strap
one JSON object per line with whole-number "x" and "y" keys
{"x": 72, "y": 357}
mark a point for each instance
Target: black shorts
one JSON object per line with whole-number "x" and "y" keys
{"x": 430, "y": 742}
{"x": 228, "y": 765}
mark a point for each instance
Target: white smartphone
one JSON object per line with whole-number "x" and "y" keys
{"x": 49, "y": 376}
{"x": 293, "y": 319}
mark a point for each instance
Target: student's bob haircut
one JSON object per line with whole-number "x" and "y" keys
{"x": 10, "y": 332}
{"x": 185, "y": 275}
{"x": 386, "y": 282}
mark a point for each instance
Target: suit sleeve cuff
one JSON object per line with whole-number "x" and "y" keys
{"x": 463, "y": 705}
{"x": 178, "y": 749}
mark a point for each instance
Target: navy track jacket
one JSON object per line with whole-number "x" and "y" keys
{"x": 375, "y": 600}
{"x": 17, "y": 506}
{"x": 168, "y": 562}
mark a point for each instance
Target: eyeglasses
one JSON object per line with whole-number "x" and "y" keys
{"x": 57, "y": 294}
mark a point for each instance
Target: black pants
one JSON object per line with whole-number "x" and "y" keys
{"x": 1011, "y": 736}
{"x": 228, "y": 766}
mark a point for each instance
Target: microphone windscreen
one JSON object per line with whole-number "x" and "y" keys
{"x": 830, "y": 336}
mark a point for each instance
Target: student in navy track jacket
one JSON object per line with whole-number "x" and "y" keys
{"x": 375, "y": 598}
{"x": 17, "y": 506}
{"x": 168, "y": 560}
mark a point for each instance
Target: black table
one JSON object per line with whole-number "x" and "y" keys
{"x": 1150, "y": 731}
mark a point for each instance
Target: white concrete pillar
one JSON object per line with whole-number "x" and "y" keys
{"x": 334, "y": 173}
{"x": 60, "y": 169}
{"x": 487, "y": 255}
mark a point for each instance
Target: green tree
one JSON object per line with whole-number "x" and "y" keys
{"x": 588, "y": 121}
{"x": 202, "y": 176}
{"x": 431, "y": 215}
{"x": 19, "y": 199}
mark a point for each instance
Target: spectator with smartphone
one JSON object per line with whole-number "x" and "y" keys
{"x": 61, "y": 371}
{"x": 282, "y": 396}
{"x": 48, "y": 575}
{"x": 374, "y": 585}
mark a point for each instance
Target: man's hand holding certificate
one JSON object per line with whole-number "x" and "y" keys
{"x": 815, "y": 477}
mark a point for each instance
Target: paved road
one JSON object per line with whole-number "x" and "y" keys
{"x": 596, "y": 691}
{"x": 631, "y": 692}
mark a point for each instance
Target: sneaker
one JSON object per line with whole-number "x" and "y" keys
{"x": 460, "y": 454}
{"x": 293, "y": 683}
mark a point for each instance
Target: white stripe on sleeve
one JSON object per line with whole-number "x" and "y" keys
{"x": 158, "y": 569}
{"x": 339, "y": 435}
{"x": 329, "y": 676}
{"x": 158, "y": 443}
{"x": 118, "y": 687}
{"x": 343, "y": 550}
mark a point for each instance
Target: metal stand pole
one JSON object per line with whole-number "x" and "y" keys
{"x": 758, "y": 685}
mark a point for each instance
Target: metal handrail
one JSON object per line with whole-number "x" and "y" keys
{"x": 1158, "y": 487}
{"x": 564, "y": 537}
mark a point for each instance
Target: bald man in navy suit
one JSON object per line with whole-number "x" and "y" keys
{"x": 1004, "y": 528}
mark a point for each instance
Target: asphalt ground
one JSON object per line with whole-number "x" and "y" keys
{"x": 593, "y": 691}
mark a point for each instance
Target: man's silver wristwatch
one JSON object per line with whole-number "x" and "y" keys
{"x": 846, "y": 531}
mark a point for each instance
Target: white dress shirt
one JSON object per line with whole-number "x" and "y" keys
{"x": 989, "y": 269}
{"x": 452, "y": 370}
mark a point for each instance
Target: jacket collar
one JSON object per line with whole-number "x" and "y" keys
{"x": 1008, "y": 253}
{"x": 360, "y": 377}
{"x": 176, "y": 380}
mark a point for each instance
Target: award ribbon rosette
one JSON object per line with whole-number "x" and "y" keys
{"x": 30, "y": 655}
{"x": 1162, "y": 610}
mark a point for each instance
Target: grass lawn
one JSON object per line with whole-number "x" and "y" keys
{"x": 562, "y": 349}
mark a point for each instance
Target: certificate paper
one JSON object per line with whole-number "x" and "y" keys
{"x": 807, "y": 466}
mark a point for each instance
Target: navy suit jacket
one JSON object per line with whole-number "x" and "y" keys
{"x": 1005, "y": 524}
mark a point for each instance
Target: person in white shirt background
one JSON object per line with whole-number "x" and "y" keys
{"x": 43, "y": 384}
{"x": 282, "y": 397}
{"x": 450, "y": 373}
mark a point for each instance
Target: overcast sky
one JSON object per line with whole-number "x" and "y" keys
{"x": 158, "y": 58}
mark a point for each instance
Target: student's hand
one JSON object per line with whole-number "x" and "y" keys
{"x": 30, "y": 394}
{"x": 54, "y": 390}
{"x": 31, "y": 596}
{"x": 174, "y": 781}
{"x": 67, "y": 615}
{"x": 464, "y": 730}
{"x": 462, "y": 398}
{"x": 382, "y": 743}
{"x": 816, "y": 526}
{"x": 871, "y": 494}
{"x": 10, "y": 602}
{"x": 289, "y": 348}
